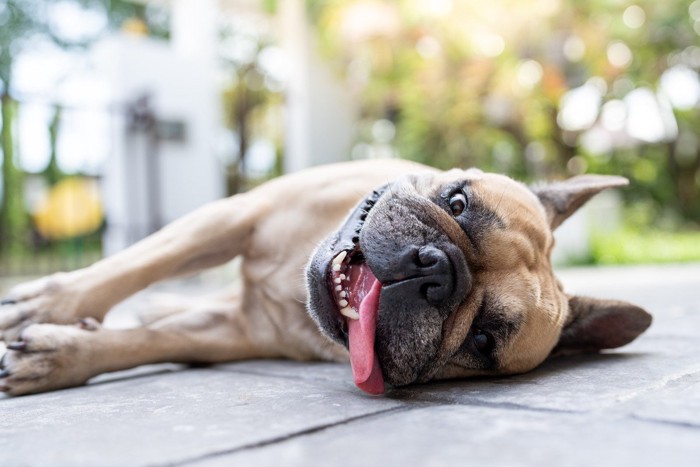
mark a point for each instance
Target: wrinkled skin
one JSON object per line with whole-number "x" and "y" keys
{"x": 463, "y": 294}
{"x": 500, "y": 276}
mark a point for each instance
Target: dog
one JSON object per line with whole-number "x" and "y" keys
{"x": 410, "y": 273}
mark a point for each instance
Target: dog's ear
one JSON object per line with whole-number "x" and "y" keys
{"x": 594, "y": 324}
{"x": 562, "y": 199}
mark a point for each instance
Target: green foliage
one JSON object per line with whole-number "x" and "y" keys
{"x": 53, "y": 173}
{"x": 481, "y": 84}
{"x": 15, "y": 17}
{"x": 119, "y": 11}
{"x": 269, "y": 6}
{"x": 649, "y": 246}
{"x": 21, "y": 21}
{"x": 250, "y": 97}
{"x": 13, "y": 217}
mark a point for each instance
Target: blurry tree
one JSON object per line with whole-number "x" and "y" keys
{"x": 20, "y": 22}
{"x": 252, "y": 91}
{"x": 539, "y": 88}
{"x": 245, "y": 97}
{"x": 52, "y": 173}
{"x": 16, "y": 20}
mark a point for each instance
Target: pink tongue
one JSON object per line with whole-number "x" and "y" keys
{"x": 365, "y": 365}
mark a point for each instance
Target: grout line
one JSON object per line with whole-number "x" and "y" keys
{"x": 661, "y": 421}
{"x": 405, "y": 407}
{"x": 282, "y": 438}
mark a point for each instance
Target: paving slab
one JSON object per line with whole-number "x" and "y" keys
{"x": 462, "y": 435}
{"x": 675, "y": 402}
{"x": 576, "y": 384}
{"x": 171, "y": 417}
{"x": 658, "y": 288}
{"x": 339, "y": 374}
{"x": 639, "y": 405}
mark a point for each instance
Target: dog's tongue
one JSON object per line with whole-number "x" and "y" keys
{"x": 365, "y": 365}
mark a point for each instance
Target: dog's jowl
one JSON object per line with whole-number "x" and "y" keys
{"x": 411, "y": 274}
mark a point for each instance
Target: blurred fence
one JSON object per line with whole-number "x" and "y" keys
{"x": 60, "y": 227}
{"x": 52, "y": 216}
{"x": 38, "y": 256}
{"x": 44, "y": 259}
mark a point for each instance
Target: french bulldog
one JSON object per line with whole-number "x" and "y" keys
{"x": 410, "y": 273}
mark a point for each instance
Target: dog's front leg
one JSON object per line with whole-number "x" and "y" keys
{"x": 48, "y": 356}
{"x": 207, "y": 237}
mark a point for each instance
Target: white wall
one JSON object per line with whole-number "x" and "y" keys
{"x": 600, "y": 215}
{"x": 320, "y": 113}
{"x": 182, "y": 89}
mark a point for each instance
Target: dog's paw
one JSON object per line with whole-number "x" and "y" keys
{"x": 43, "y": 358}
{"x": 52, "y": 299}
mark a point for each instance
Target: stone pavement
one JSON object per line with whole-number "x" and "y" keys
{"x": 639, "y": 405}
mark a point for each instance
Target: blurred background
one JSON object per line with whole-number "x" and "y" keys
{"x": 119, "y": 116}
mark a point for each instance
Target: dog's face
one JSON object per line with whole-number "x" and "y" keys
{"x": 449, "y": 275}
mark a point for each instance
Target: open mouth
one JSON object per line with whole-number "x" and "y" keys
{"x": 356, "y": 293}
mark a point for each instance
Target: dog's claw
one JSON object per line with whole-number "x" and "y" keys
{"x": 8, "y": 301}
{"x": 18, "y": 345}
{"x": 89, "y": 324}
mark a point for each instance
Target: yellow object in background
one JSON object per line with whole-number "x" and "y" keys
{"x": 135, "y": 27}
{"x": 71, "y": 209}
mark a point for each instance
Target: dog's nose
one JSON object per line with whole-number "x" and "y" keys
{"x": 425, "y": 272}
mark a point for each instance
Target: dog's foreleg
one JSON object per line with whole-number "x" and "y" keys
{"x": 207, "y": 237}
{"x": 49, "y": 356}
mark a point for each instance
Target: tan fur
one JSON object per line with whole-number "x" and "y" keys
{"x": 274, "y": 228}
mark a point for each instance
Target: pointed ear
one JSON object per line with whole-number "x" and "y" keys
{"x": 595, "y": 324}
{"x": 562, "y": 199}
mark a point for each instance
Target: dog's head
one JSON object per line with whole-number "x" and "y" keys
{"x": 449, "y": 275}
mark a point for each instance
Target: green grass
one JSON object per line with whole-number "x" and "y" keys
{"x": 650, "y": 246}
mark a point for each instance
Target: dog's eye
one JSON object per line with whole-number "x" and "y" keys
{"x": 458, "y": 203}
{"x": 483, "y": 341}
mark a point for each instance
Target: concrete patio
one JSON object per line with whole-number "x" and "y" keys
{"x": 639, "y": 405}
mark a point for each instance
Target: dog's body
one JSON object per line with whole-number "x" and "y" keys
{"x": 449, "y": 271}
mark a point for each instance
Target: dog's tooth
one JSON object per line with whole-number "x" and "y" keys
{"x": 337, "y": 280}
{"x": 350, "y": 312}
{"x": 342, "y": 277}
{"x": 343, "y": 303}
{"x": 341, "y": 256}
{"x": 336, "y": 267}
{"x": 343, "y": 294}
{"x": 338, "y": 288}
